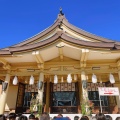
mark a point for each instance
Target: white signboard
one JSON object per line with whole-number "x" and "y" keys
{"x": 108, "y": 91}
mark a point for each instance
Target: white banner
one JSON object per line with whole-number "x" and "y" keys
{"x": 108, "y": 91}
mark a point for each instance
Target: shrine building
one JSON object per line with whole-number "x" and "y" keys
{"x": 67, "y": 62}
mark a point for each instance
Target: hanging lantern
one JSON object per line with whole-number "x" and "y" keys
{"x": 61, "y": 79}
{"x": 55, "y": 79}
{"x": 84, "y": 84}
{"x": 75, "y": 77}
{"x": 69, "y": 78}
{"x": 94, "y": 78}
{"x": 31, "y": 82}
{"x": 40, "y": 84}
{"x": 111, "y": 78}
{"x": 4, "y": 86}
{"x": 15, "y": 80}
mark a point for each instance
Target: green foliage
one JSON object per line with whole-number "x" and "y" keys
{"x": 83, "y": 109}
{"x": 40, "y": 109}
{"x": 86, "y": 107}
{"x": 35, "y": 105}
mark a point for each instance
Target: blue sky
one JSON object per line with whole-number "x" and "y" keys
{"x": 21, "y": 19}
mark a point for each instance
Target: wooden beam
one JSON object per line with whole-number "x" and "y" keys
{"x": 6, "y": 65}
{"x": 2, "y": 60}
{"x": 39, "y": 59}
{"x": 68, "y": 63}
{"x": 59, "y": 72}
{"x": 61, "y": 53}
{"x": 84, "y": 56}
{"x": 118, "y": 62}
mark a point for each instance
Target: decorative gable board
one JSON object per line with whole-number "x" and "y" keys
{"x": 89, "y": 86}
{"x": 94, "y": 87}
{"x": 69, "y": 86}
{"x": 31, "y": 88}
{"x": 97, "y": 85}
{"x": 58, "y": 87}
{"x": 55, "y": 87}
{"x": 73, "y": 86}
{"x": 64, "y": 87}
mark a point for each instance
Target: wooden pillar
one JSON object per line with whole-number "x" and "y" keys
{"x": 119, "y": 75}
{"x": 85, "y": 102}
{"x": 80, "y": 96}
{"x": 84, "y": 85}
{"x": 0, "y": 89}
{"x": 3, "y": 96}
{"x": 40, "y": 92}
{"x": 80, "y": 90}
{"x": 118, "y": 85}
{"x": 47, "y": 96}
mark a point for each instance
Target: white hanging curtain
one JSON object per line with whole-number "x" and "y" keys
{"x": 15, "y": 80}
{"x": 94, "y": 78}
{"x": 55, "y": 79}
{"x": 31, "y": 82}
{"x": 111, "y": 78}
{"x": 69, "y": 78}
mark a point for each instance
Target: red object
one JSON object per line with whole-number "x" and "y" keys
{"x": 108, "y": 93}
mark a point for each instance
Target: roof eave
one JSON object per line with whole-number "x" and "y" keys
{"x": 65, "y": 38}
{"x": 85, "y": 33}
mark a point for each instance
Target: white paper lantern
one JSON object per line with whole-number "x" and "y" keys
{"x": 31, "y": 82}
{"x": 94, "y": 78}
{"x": 15, "y": 80}
{"x": 55, "y": 79}
{"x": 111, "y": 78}
{"x": 69, "y": 78}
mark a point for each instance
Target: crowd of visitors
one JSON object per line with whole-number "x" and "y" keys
{"x": 45, "y": 116}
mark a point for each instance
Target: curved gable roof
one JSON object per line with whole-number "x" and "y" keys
{"x": 84, "y": 33}
{"x": 43, "y": 33}
{"x": 30, "y": 45}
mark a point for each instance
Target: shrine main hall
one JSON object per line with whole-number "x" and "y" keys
{"x": 65, "y": 64}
